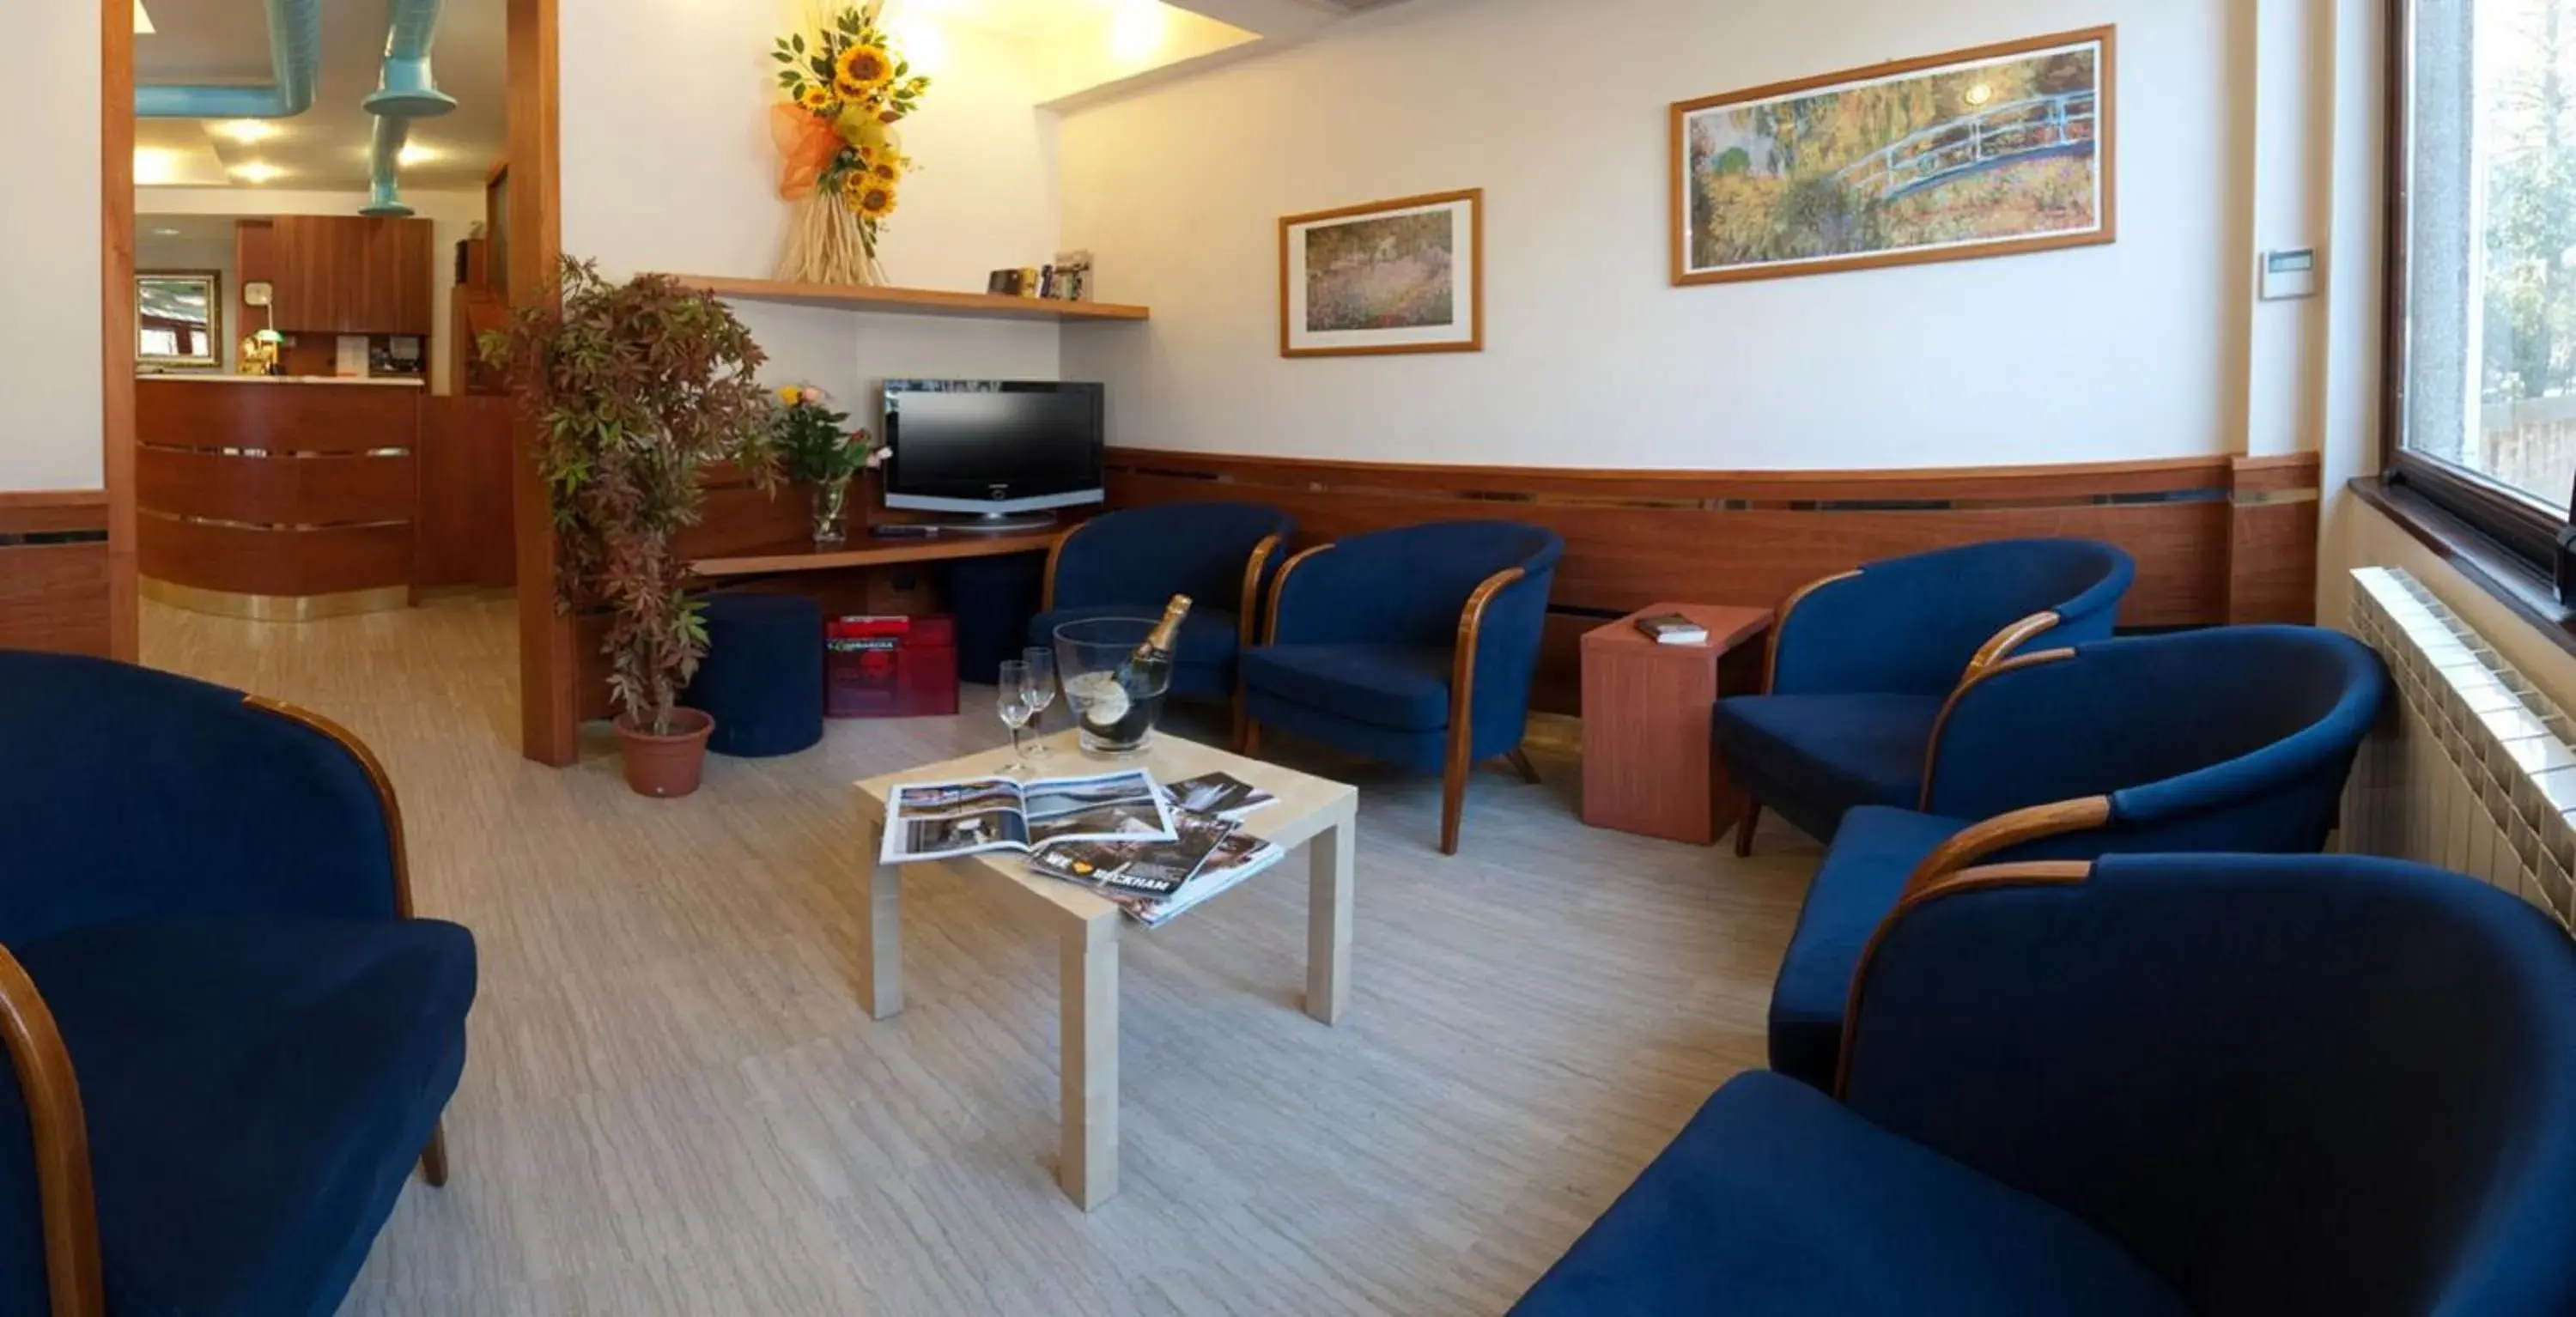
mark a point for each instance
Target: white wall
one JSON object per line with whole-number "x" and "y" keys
{"x": 452, "y": 217}
{"x": 50, "y": 427}
{"x": 1559, "y": 111}
{"x": 684, "y": 180}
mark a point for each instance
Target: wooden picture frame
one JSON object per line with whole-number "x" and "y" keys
{"x": 2054, "y": 125}
{"x": 209, "y": 285}
{"x": 1451, "y": 314}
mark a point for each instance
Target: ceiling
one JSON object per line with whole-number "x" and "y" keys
{"x": 325, "y": 148}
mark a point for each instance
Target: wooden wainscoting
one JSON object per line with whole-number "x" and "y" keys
{"x": 2217, "y": 539}
{"x": 462, "y": 521}
{"x": 54, "y": 572}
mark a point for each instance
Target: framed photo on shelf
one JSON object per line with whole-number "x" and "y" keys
{"x": 1392, "y": 276}
{"x": 1993, "y": 151}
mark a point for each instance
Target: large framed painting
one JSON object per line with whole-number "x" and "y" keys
{"x": 1392, "y": 276}
{"x": 1987, "y": 152}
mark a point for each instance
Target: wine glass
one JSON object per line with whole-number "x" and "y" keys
{"x": 1011, "y": 699}
{"x": 1039, "y": 663}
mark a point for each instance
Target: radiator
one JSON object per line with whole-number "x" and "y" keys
{"x": 2474, "y": 769}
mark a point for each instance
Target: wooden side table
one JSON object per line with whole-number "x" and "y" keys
{"x": 1649, "y": 762}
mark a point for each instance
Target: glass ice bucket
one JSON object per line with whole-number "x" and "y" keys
{"x": 1115, "y": 702}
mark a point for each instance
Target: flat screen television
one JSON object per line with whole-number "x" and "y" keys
{"x": 993, "y": 447}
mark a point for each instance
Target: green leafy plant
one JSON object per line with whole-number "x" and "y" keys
{"x": 815, "y": 442}
{"x": 634, "y": 388}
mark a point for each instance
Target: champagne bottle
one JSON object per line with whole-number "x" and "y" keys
{"x": 1123, "y": 708}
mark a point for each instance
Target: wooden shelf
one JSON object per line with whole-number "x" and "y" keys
{"x": 911, "y": 301}
{"x": 867, "y": 550}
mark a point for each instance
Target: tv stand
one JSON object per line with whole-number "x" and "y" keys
{"x": 994, "y": 523}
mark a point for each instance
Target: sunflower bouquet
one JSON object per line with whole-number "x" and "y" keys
{"x": 841, "y": 159}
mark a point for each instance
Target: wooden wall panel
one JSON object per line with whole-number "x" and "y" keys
{"x": 259, "y": 561}
{"x": 280, "y": 417}
{"x": 275, "y": 491}
{"x": 2216, "y": 539}
{"x": 463, "y": 510}
{"x": 55, "y": 597}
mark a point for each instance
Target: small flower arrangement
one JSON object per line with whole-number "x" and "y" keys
{"x": 846, "y": 87}
{"x": 815, "y": 443}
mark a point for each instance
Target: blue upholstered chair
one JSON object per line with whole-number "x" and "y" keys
{"x": 1415, "y": 646}
{"x": 1861, "y": 662}
{"x": 230, "y": 1040}
{"x": 2151, "y": 1085}
{"x": 1130, "y": 563}
{"x": 2229, "y": 739}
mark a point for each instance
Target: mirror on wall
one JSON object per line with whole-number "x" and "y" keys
{"x": 179, "y": 318}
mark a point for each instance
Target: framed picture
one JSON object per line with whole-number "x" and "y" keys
{"x": 1987, "y": 152}
{"x": 1392, "y": 276}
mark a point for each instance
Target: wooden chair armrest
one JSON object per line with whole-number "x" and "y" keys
{"x": 2001, "y": 645}
{"x": 376, "y": 777}
{"x": 2027, "y": 873}
{"x": 1462, "y": 671}
{"x": 1780, "y": 623}
{"x": 1279, "y": 591}
{"x": 1247, "y": 633}
{"x": 1977, "y": 672}
{"x": 1055, "y": 555}
{"x": 68, "y": 1207}
{"x": 1988, "y": 836}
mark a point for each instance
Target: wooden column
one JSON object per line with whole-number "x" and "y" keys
{"x": 548, "y": 729}
{"x": 116, "y": 318}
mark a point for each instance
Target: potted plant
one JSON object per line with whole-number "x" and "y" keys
{"x": 819, "y": 449}
{"x": 635, "y": 387}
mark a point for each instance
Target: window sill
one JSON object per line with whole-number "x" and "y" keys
{"x": 2488, "y": 565}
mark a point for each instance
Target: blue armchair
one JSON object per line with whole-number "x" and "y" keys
{"x": 2230, "y": 739}
{"x": 1131, "y": 563}
{"x": 230, "y": 1039}
{"x": 1415, "y": 646}
{"x": 1861, "y": 662}
{"x": 2151, "y": 1085}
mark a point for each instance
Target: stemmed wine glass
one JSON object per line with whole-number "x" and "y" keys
{"x": 1011, "y": 699}
{"x": 1038, "y": 662}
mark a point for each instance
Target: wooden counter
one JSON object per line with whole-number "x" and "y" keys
{"x": 277, "y": 497}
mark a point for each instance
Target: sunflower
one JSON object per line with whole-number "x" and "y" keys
{"x": 862, "y": 69}
{"x": 872, "y": 197}
{"x": 886, "y": 171}
{"x": 816, "y": 98}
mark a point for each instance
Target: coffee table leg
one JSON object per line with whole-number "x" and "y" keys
{"x": 881, "y": 946}
{"x": 1328, "y": 922}
{"x": 1087, "y": 1166}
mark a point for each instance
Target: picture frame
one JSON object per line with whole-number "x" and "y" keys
{"x": 1995, "y": 150}
{"x": 1399, "y": 276}
{"x": 179, "y": 319}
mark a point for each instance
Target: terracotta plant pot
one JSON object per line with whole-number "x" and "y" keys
{"x": 667, "y": 765}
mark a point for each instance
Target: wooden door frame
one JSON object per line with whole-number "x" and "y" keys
{"x": 116, "y": 319}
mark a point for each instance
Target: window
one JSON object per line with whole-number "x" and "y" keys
{"x": 2482, "y": 297}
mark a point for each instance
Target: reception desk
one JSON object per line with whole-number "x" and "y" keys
{"x": 277, "y": 498}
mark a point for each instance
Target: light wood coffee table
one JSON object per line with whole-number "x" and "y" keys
{"x": 1310, "y": 811}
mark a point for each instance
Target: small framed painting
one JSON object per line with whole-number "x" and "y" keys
{"x": 1993, "y": 151}
{"x": 1393, "y": 276}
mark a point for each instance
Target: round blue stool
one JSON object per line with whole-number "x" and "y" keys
{"x": 762, "y": 678}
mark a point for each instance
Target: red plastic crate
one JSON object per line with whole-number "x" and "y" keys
{"x": 890, "y": 667}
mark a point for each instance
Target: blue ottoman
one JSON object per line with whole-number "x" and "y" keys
{"x": 763, "y": 675}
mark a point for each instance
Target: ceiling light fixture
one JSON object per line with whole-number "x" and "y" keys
{"x": 413, "y": 153}
{"x": 248, "y": 132}
{"x": 257, "y": 171}
{"x": 155, "y": 165}
{"x": 165, "y": 233}
{"x": 142, "y": 20}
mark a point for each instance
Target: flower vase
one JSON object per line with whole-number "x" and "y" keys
{"x": 827, "y": 243}
{"x": 831, "y": 508}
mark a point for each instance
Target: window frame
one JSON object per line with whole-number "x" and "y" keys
{"x": 2532, "y": 531}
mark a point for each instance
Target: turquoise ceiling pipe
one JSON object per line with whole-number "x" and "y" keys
{"x": 294, "y": 56}
{"x": 405, "y": 90}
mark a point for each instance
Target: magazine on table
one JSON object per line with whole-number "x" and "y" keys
{"x": 942, "y": 820}
{"x": 1222, "y": 795}
{"x": 1155, "y": 868}
{"x": 1236, "y": 858}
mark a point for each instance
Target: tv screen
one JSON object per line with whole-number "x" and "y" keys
{"x": 993, "y": 446}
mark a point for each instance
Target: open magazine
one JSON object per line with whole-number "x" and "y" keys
{"x": 1154, "y": 880}
{"x": 941, "y": 820}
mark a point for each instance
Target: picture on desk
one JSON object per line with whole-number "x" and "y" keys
{"x": 945, "y": 820}
{"x": 1122, "y": 805}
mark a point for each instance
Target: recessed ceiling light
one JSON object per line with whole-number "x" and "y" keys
{"x": 248, "y": 131}
{"x": 256, "y": 171}
{"x": 153, "y": 164}
{"x": 142, "y": 20}
{"x": 416, "y": 154}
{"x": 165, "y": 233}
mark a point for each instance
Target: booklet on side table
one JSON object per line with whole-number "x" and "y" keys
{"x": 942, "y": 820}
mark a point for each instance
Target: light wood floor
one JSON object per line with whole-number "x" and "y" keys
{"x": 674, "y": 1104}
